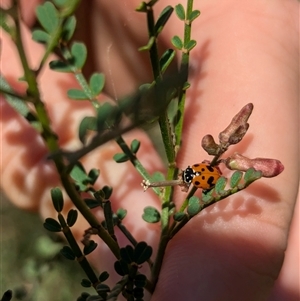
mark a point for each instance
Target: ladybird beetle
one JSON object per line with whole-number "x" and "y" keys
{"x": 201, "y": 175}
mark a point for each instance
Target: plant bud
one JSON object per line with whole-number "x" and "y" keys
{"x": 237, "y": 128}
{"x": 269, "y": 167}
{"x": 209, "y": 145}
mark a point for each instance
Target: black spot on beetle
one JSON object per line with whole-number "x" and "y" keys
{"x": 210, "y": 168}
{"x": 210, "y": 181}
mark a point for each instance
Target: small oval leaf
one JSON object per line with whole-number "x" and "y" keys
{"x": 86, "y": 283}
{"x": 77, "y": 94}
{"x": 90, "y": 247}
{"x": 179, "y": 10}
{"x": 120, "y": 157}
{"x": 121, "y": 213}
{"x": 142, "y": 252}
{"x": 40, "y": 36}
{"x": 177, "y": 42}
{"x": 47, "y": 15}
{"x": 72, "y": 217}
{"x": 79, "y": 54}
{"x": 220, "y": 185}
{"x": 88, "y": 123}
{"x": 127, "y": 254}
{"x": 235, "y": 178}
{"x": 166, "y": 59}
{"x": 67, "y": 252}
{"x": 69, "y": 28}
{"x": 193, "y": 206}
{"x": 252, "y": 175}
{"x": 52, "y": 225}
{"x": 194, "y": 14}
{"x": 60, "y": 66}
{"x": 163, "y": 19}
{"x": 135, "y": 145}
{"x": 97, "y": 82}
{"x": 179, "y": 216}
{"x": 107, "y": 190}
{"x": 57, "y": 199}
{"x": 140, "y": 280}
{"x": 103, "y": 276}
{"x": 190, "y": 45}
{"x": 151, "y": 215}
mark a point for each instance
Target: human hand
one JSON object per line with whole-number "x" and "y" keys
{"x": 232, "y": 250}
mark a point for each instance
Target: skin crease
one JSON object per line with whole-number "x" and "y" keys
{"x": 246, "y": 52}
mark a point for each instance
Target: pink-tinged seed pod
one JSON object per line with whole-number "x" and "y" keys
{"x": 269, "y": 167}
{"x": 237, "y": 128}
{"x": 209, "y": 145}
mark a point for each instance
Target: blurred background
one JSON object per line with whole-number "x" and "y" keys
{"x": 30, "y": 263}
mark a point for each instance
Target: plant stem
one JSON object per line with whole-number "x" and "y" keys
{"x": 185, "y": 57}
{"x": 163, "y": 118}
{"x": 50, "y": 139}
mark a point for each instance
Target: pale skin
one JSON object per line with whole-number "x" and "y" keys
{"x": 248, "y": 51}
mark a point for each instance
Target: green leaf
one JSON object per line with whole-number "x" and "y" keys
{"x": 52, "y": 225}
{"x": 149, "y": 44}
{"x": 151, "y": 215}
{"x": 163, "y": 19}
{"x": 138, "y": 293}
{"x": 91, "y": 203}
{"x": 142, "y": 252}
{"x": 207, "y": 196}
{"x": 186, "y": 85}
{"x": 142, "y": 7}
{"x": 121, "y": 213}
{"x": 68, "y": 28}
{"x": 140, "y": 280}
{"x": 135, "y": 145}
{"x": 194, "y": 206}
{"x": 252, "y": 175}
{"x": 193, "y": 15}
{"x": 179, "y": 216}
{"x": 77, "y": 94}
{"x": 166, "y": 59}
{"x": 72, "y": 217}
{"x": 86, "y": 283}
{"x": 220, "y": 185}
{"x": 90, "y": 247}
{"x": 107, "y": 116}
{"x": 82, "y": 180}
{"x": 177, "y": 42}
{"x": 57, "y": 199}
{"x": 93, "y": 175}
{"x": 121, "y": 267}
{"x": 60, "y": 66}
{"x": 120, "y": 157}
{"x": 102, "y": 289}
{"x": 179, "y": 10}
{"x": 127, "y": 254}
{"x": 40, "y": 36}
{"x": 190, "y": 45}
{"x": 48, "y": 16}
{"x": 18, "y": 104}
{"x": 79, "y": 54}
{"x": 97, "y": 82}
{"x": 103, "y": 276}
{"x": 88, "y": 123}
{"x": 235, "y": 178}
{"x": 107, "y": 190}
